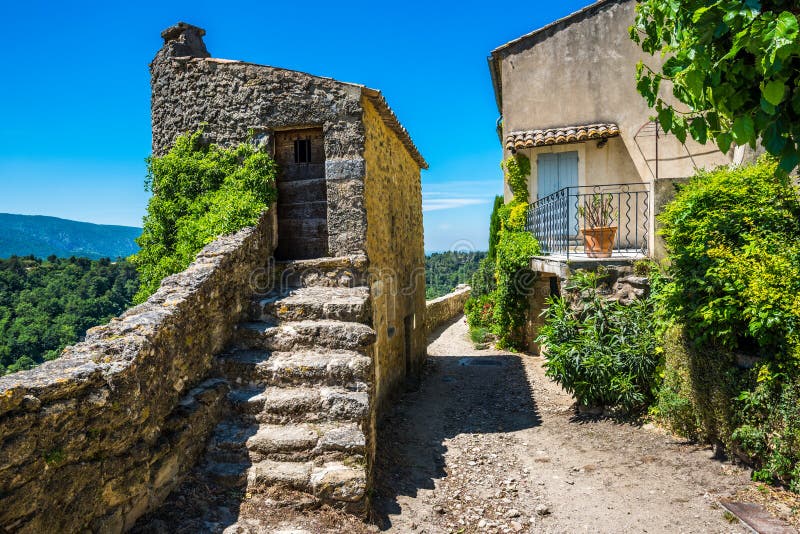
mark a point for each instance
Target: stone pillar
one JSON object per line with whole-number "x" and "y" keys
{"x": 537, "y": 302}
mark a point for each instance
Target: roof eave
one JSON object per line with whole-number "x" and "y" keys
{"x": 393, "y": 123}
{"x": 581, "y": 12}
{"x": 497, "y": 80}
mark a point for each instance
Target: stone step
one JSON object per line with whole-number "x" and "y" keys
{"x": 340, "y": 271}
{"x": 334, "y": 483}
{"x": 228, "y": 442}
{"x": 332, "y": 368}
{"x": 301, "y": 404}
{"x": 228, "y": 474}
{"x": 303, "y": 334}
{"x": 339, "y": 484}
{"x": 339, "y": 303}
{"x": 248, "y": 400}
{"x": 291, "y": 475}
{"x": 321, "y": 367}
{"x": 305, "y": 441}
{"x": 239, "y": 366}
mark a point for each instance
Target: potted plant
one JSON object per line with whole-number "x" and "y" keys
{"x": 599, "y": 230}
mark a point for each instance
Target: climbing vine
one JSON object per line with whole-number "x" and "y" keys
{"x": 499, "y": 305}
{"x": 200, "y": 191}
{"x": 517, "y": 168}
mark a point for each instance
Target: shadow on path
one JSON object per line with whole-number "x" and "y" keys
{"x": 460, "y": 393}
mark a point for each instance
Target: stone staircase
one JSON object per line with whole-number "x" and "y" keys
{"x": 300, "y": 372}
{"x": 299, "y": 375}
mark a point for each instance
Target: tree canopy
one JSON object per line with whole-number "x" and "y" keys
{"x": 445, "y": 270}
{"x": 47, "y": 305}
{"x": 734, "y": 64}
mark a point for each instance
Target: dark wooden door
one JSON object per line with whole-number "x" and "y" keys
{"x": 302, "y": 195}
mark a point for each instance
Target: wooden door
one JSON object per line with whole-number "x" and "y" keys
{"x": 555, "y": 172}
{"x": 302, "y": 195}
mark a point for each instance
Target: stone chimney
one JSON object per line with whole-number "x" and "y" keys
{"x": 182, "y": 40}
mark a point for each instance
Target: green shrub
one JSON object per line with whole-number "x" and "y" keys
{"x": 769, "y": 433}
{"x": 733, "y": 236}
{"x": 699, "y": 388}
{"x": 479, "y": 311}
{"x": 601, "y": 352}
{"x": 199, "y": 193}
{"x": 478, "y": 335}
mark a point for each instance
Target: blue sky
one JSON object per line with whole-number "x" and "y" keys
{"x": 76, "y": 99}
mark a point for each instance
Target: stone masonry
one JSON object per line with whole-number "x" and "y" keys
{"x": 94, "y": 439}
{"x": 243, "y": 383}
{"x": 371, "y": 169}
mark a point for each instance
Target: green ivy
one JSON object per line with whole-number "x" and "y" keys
{"x": 518, "y": 168}
{"x": 200, "y": 192}
{"x": 515, "y": 281}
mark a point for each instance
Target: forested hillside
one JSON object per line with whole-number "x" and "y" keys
{"x": 46, "y": 305}
{"x": 445, "y": 270}
{"x": 22, "y": 235}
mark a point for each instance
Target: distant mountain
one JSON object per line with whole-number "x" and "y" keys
{"x": 41, "y": 236}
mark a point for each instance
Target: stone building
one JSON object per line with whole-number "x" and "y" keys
{"x": 349, "y": 245}
{"x": 349, "y": 180}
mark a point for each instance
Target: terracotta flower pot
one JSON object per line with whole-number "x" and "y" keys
{"x": 598, "y": 242}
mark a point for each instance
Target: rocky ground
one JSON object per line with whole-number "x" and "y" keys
{"x": 489, "y": 444}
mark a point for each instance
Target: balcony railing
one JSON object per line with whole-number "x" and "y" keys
{"x": 560, "y": 221}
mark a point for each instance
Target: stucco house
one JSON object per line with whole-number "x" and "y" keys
{"x": 568, "y": 101}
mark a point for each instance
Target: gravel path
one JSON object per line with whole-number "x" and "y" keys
{"x": 489, "y": 444}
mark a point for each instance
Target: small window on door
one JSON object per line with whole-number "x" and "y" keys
{"x": 302, "y": 151}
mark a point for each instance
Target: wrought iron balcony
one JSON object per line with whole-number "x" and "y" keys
{"x": 575, "y": 221}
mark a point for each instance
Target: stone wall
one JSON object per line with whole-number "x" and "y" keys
{"x": 619, "y": 283}
{"x": 441, "y": 310}
{"x": 234, "y": 98}
{"x": 393, "y": 198}
{"x": 96, "y": 438}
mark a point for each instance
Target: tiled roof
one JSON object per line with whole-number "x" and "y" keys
{"x": 391, "y": 120}
{"x": 560, "y": 136}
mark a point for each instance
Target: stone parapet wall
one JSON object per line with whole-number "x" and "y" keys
{"x": 446, "y": 308}
{"x": 96, "y": 438}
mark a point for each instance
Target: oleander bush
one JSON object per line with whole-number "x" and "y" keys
{"x": 600, "y": 351}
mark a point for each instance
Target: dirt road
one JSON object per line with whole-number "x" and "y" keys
{"x": 489, "y": 444}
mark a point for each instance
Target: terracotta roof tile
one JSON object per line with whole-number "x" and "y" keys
{"x": 560, "y": 136}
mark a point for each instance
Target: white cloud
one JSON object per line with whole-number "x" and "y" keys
{"x": 450, "y": 203}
